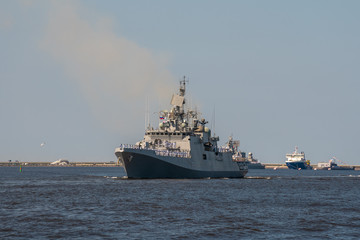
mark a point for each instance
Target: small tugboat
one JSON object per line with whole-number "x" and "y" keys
{"x": 181, "y": 147}
{"x": 332, "y": 165}
{"x": 297, "y": 160}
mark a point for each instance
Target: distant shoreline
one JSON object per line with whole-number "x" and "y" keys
{"x": 48, "y": 164}
{"x": 112, "y": 164}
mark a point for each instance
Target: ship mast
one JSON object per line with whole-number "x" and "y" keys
{"x": 182, "y": 87}
{"x": 182, "y": 94}
{"x": 178, "y": 101}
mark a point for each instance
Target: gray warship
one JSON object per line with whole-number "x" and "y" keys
{"x": 253, "y": 163}
{"x": 181, "y": 147}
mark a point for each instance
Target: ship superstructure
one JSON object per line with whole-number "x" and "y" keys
{"x": 181, "y": 147}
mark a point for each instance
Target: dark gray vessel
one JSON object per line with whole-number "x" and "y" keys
{"x": 253, "y": 163}
{"x": 332, "y": 165}
{"x": 181, "y": 147}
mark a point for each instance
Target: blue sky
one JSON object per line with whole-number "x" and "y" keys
{"x": 279, "y": 74}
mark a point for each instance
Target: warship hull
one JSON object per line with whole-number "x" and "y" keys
{"x": 337, "y": 168}
{"x": 143, "y": 164}
{"x": 255, "y": 166}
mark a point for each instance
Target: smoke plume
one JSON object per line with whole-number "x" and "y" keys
{"x": 115, "y": 74}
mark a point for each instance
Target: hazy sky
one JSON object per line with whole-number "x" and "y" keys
{"x": 279, "y": 74}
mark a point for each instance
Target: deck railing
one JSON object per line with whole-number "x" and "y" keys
{"x": 167, "y": 153}
{"x": 224, "y": 149}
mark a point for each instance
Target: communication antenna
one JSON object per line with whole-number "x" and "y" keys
{"x": 147, "y": 113}
{"x": 182, "y": 85}
{"x": 213, "y": 121}
{"x": 145, "y": 120}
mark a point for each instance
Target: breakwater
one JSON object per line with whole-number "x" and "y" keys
{"x": 71, "y": 164}
{"x": 283, "y": 166}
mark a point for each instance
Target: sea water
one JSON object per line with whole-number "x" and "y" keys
{"x": 100, "y": 203}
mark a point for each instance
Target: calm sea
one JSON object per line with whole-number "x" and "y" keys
{"x": 98, "y": 203}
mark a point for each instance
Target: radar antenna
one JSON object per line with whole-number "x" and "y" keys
{"x": 182, "y": 86}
